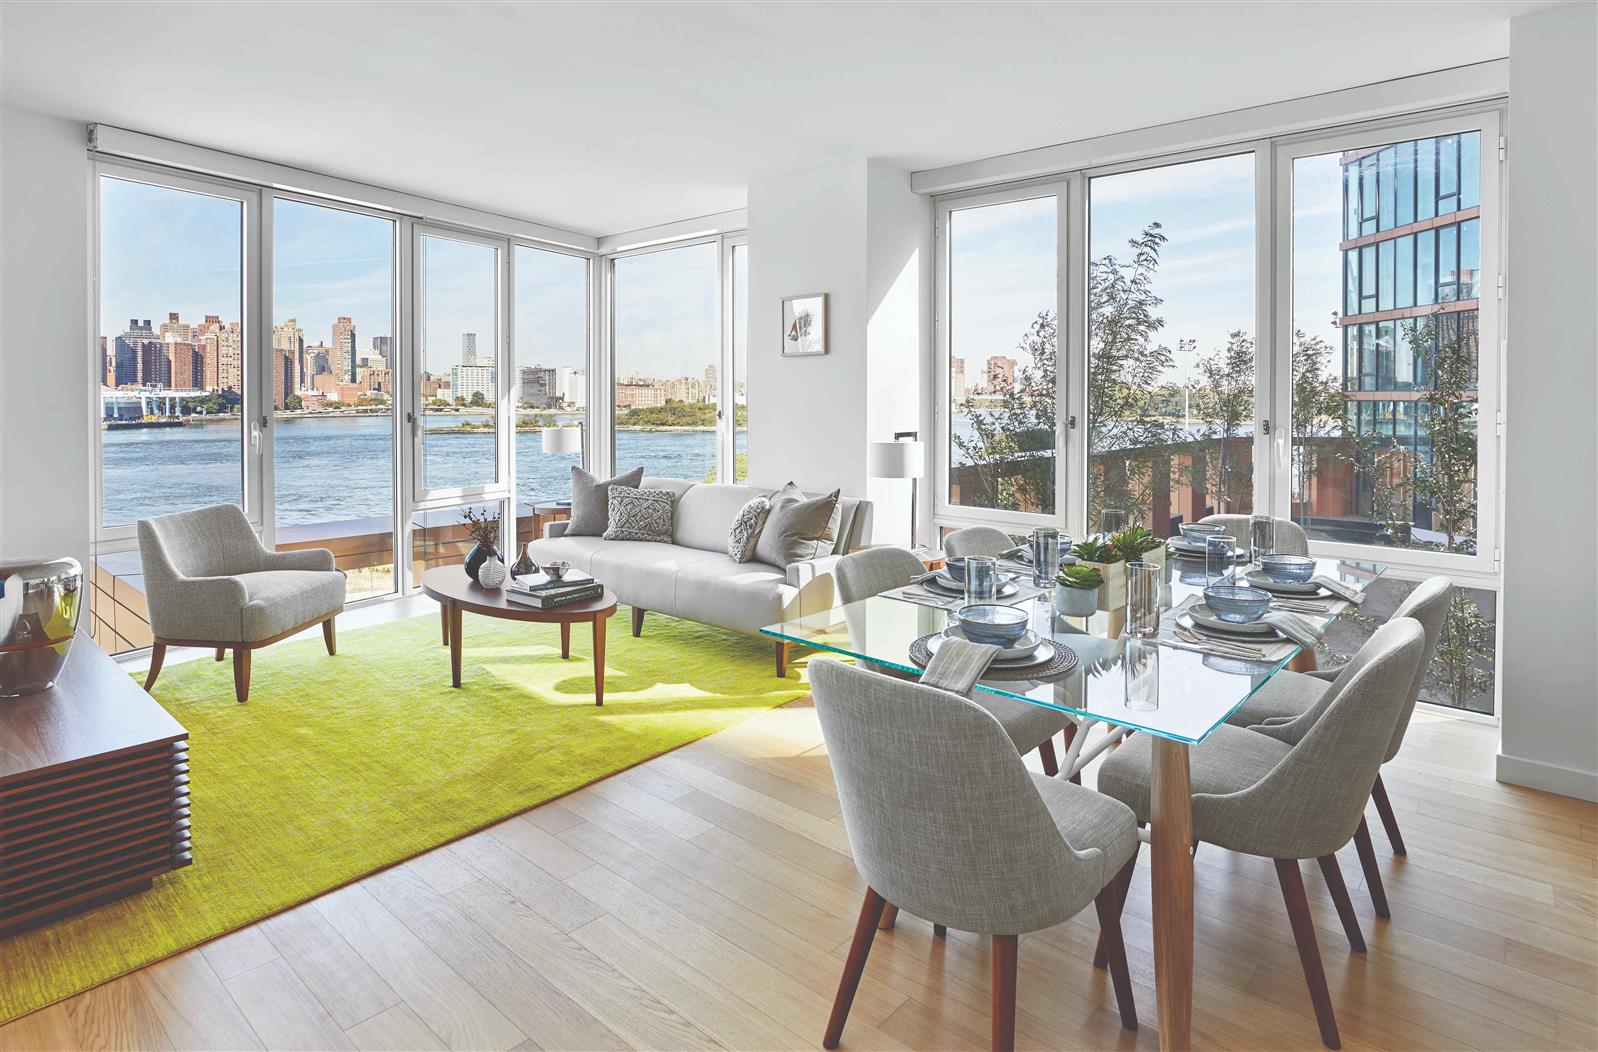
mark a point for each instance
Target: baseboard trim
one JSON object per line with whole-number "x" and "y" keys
{"x": 1549, "y": 777}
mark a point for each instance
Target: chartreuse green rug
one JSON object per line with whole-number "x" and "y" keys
{"x": 339, "y": 766}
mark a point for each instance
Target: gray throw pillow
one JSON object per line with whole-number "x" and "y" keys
{"x": 591, "y": 503}
{"x": 639, "y": 514}
{"x": 746, "y": 529}
{"x": 797, "y": 529}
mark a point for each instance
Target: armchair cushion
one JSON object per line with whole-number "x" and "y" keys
{"x": 1230, "y": 760}
{"x": 278, "y": 600}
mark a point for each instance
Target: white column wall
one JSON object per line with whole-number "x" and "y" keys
{"x": 1549, "y": 613}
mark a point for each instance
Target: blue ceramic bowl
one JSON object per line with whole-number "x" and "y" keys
{"x": 1288, "y": 569}
{"x": 955, "y": 568}
{"x": 993, "y": 623}
{"x": 1238, "y": 604}
{"x": 1199, "y": 532}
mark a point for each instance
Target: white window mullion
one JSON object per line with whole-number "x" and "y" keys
{"x": 1072, "y": 359}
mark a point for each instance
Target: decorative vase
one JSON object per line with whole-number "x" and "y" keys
{"x": 40, "y": 602}
{"x": 475, "y": 557}
{"x": 492, "y": 573}
{"x": 525, "y": 564}
{"x": 1076, "y": 602}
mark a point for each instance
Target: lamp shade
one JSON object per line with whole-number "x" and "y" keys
{"x": 896, "y": 460}
{"x": 563, "y": 440}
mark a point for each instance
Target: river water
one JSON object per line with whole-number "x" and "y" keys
{"x": 333, "y": 468}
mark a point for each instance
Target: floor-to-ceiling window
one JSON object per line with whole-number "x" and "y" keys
{"x": 666, "y": 361}
{"x": 1001, "y": 332}
{"x": 458, "y": 291}
{"x": 1171, "y": 362}
{"x": 171, "y": 376}
{"x": 1308, "y": 326}
{"x": 333, "y": 362}
{"x": 739, "y": 338}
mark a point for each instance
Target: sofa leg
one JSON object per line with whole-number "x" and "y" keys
{"x": 241, "y": 674}
{"x": 330, "y": 637}
{"x": 638, "y": 620}
{"x": 157, "y": 655}
{"x": 221, "y": 653}
{"x": 782, "y": 660}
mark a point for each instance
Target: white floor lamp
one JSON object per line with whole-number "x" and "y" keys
{"x": 563, "y": 439}
{"x": 903, "y": 458}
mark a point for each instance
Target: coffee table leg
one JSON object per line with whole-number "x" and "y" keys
{"x": 443, "y": 615}
{"x": 565, "y": 639}
{"x": 599, "y": 661}
{"x": 455, "y": 644}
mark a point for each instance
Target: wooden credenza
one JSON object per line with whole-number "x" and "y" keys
{"x": 94, "y": 799}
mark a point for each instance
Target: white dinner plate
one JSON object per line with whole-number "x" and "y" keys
{"x": 947, "y": 586}
{"x": 1266, "y": 584}
{"x": 1203, "y": 619}
{"x": 1023, "y": 648}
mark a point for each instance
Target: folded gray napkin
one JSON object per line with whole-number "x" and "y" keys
{"x": 957, "y": 665}
{"x": 1023, "y": 554}
{"x": 1339, "y": 589}
{"x": 1300, "y": 630}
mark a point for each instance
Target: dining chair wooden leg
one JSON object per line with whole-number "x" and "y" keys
{"x": 1373, "y": 874}
{"x": 1005, "y": 952}
{"x": 1108, "y": 905}
{"x": 940, "y": 931}
{"x": 1345, "y": 906}
{"x": 157, "y": 655}
{"x": 1123, "y": 887}
{"x": 1309, "y": 952}
{"x": 221, "y": 653}
{"x": 1384, "y": 807}
{"x": 886, "y": 919}
{"x": 865, "y": 929}
{"x": 1051, "y": 765}
{"x": 241, "y": 674}
{"x": 330, "y": 637}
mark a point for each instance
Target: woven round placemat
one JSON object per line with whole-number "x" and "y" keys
{"x": 1063, "y": 661}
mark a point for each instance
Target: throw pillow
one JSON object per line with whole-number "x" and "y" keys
{"x": 639, "y": 514}
{"x": 590, "y": 502}
{"x": 796, "y": 530}
{"x": 746, "y": 529}
{"x": 791, "y": 493}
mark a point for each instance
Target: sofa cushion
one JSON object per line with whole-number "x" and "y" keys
{"x": 644, "y": 573}
{"x": 745, "y": 530}
{"x": 639, "y": 514}
{"x": 705, "y": 513}
{"x": 591, "y": 501}
{"x": 278, "y": 600}
{"x": 579, "y": 551}
{"x": 797, "y": 529}
{"x": 744, "y": 597}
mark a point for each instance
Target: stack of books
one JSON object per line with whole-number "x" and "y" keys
{"x": 539, "y": 590}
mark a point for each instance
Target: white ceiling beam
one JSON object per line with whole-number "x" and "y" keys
{"x": 682, "y": 230}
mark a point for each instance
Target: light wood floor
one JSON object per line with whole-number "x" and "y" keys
{"x": 706, "y": 898}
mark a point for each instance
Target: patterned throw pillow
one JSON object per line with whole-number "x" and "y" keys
{"x": 639, "y": 514}
{"x": 746, "y": 529}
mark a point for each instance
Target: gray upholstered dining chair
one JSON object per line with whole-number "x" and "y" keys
{"x": 945, "y": 821}
{"x": 1290, "y": 536}
{"x": 873, "y": 571}
{"x": 210, "y": 582}
{"x": 1296, "y": 792}
{"x": 982, "y": 541}
{"x": 1286, "y": 696}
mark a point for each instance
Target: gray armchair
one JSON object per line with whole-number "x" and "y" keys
{"x": 1296, "y": 793}
{"x": 1290, "y": 536}
{"x": 210, "y": 582}
{"x": 981, "y": 541}
{"x": 945, "y": 820}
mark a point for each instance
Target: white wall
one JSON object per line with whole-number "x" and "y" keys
{"x": 45, "y": 468}
{"x": 1549, "y": 616}
{"x": 857, "y": 232}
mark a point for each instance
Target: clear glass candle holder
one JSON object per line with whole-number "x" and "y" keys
{"x": 1141, "y": 664}
{"x": 1220, "y": 559}
{"x": 1261, "y": 537}
{"x": 1143, "y": 582}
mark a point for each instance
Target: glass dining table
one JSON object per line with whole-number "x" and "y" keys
{"x": 1196, "y": 686}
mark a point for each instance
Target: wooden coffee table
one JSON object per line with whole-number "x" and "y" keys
{"x": 456, "y": 592}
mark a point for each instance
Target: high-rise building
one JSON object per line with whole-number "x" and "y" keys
{"x": 686, "y": 389}
{"x": 318, "y": 358}
{"x": 283, "y": 379}
{"x": 291, "y": 338}
{"x": 383, "y": 347}
{"x": 343, "y": 357}
{"x": 377, "y": 380}
{"x": 957, "y": 388}
{"x": 1001, "y": 374}
{"x": 537, "y": 387}
{"x": 230, "y": 358}
{"x": 468, "y": 348}
{"x": 1411, "y": 259}
{"x": 639, "y": 395}
{"x": 572, "y": 387}
{"x": 186, "y": 364}
{"x": 128, "y": 353}
{"x": 173, "y": 329}
{"x": 710, "y": 382}
{"x": 468, "y": 381}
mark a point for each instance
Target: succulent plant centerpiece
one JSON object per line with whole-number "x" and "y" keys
{"x": 1136, "y": 543}
{"x": 1100, "y": 554}
{"x": 1077, "y": 590}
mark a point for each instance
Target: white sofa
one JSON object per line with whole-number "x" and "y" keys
{"x": 695, "y": 578}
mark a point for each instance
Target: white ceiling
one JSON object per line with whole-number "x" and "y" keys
{"x": 603, "y": 118}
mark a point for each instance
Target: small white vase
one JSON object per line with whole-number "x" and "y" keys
{"x": 492, "y": 573}
{"x": 1076, "y": 602}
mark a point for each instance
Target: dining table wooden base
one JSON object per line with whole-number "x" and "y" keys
{"x": 1170, "y": 844}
